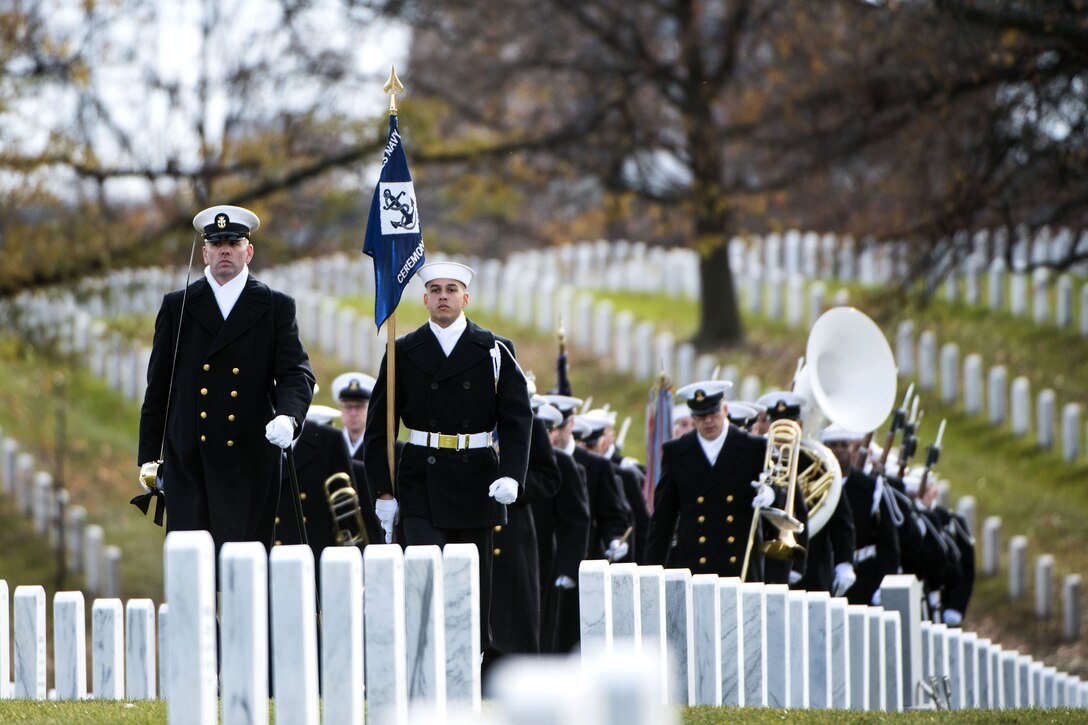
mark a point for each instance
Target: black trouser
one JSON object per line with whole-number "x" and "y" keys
{"x": 420, "y": 531}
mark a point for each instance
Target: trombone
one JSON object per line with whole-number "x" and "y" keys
{"x": 779, "y": 469}
{"x": 347, "y": 516}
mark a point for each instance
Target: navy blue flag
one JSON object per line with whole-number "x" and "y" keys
{"x": 393, "y": 235}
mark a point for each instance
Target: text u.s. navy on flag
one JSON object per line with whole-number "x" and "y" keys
{"x": 394, "y": 237}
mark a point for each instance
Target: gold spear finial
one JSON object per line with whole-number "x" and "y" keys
{"x": 393, "y": 86}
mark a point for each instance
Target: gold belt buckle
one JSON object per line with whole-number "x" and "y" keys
{"x": 447, "y": 441}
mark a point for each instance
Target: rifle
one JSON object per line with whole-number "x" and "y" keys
{"x": 933, "y": 454}
{"x": 910, "y": 438}
{"x": 899, "y": 419}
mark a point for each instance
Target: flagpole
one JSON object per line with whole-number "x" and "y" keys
{"x": 392, "y": 86}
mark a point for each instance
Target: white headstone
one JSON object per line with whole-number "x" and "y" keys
{"x": 950, "y": 371}
{"x": 996, "y": 298}
{"x": 1018, "y": 292}
{"x": 704, "y": 368}
{"x": 29, "y": 640}
{"x": 970, "y": 670}
{"x": 9, "y": 453}
{"x": 645, "y": 365}
{"x": 342, "y": 635}
{"x": 1018, "y": 566}
{"x": 1063, "y": 307}
{"x": 750, "y": 388}
{"x": 904, "y": 349}
{"x": 1044, "y": 586}
{"x": 1045, "y": 415}
{"x": 111, "y": 584}
{"x": 425, "y": 629}
{"x": 991, "y": 545}
{"x": 1071, "y": 607}
{"x": 893, "y": 672}
{"x": 76, "y": 529}
{"x": 664, "y": 354}
{"x": 971, "y": 285}
{"x": 680, "y": 637}
{"x": 902, "y": 593}
{"x": 927, "y": 360}
{"x": 625, "y": 322}
{"x": 997, "y": 394}
{"x": 1070, "y": 432}
{"x": 1010, "y": 679}
{"x": 108, "y": 649}
{"x": 595, "y": 606}
{"x": 69, "y": 646}
{"x": 190, "y": 650}
{"x": 461, "y": 588}
{"x": 954, "y": 652}
{"x": 1084, "y": 310}
{"x": 93, "y": 556}
{"x": 732, "y": 644}
{"x": 1040, "y": 295}
{"x": 685, "y": 365}
{"x": 706, "y": 623}
{"x": 817, "y": 301}
{"x": 164, "y": 659}
{"x": 777, "y": 652}
{"x": 795, "y": 301}
{"x": 840, "y": 655}
{"x": 244, "y": 617}
{"x": 774, "y": 285}
{"x": 972, "y": 384}
{"x": 874, "y": 622}
{"x": 754, "y": 630}
{"x": 819, "y": 648}
{"x": 1021, "y": 406}
{"x": 651, "y": 593}
{"x": 799, "y": 650}
{"x": 139, "y": 649}
{"x": 384, "y": 632}
{"x": 858, "y": 664}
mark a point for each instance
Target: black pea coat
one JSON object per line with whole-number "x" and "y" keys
{"x": 458, "y": 394}
{"x": 876, "y": 552}
{"x": 232, "y": 376}
{"x": 515, "y": 571}
{"x": 957, "y": 590}
{"x": 709, "y": 508}
{"x": 631, "y": 480}
{"x": 609, "y": 514}
{"x": 563, "y": 525}
{"x": 832, "y": 545}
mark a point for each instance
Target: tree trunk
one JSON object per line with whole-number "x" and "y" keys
{"x": 719, "y": 310}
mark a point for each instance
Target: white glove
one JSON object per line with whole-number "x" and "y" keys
{"x": 504, "y": 490}
{"x": 844, "y": 579}
{"x": 564, "y": 582}
{"x": 764, "y": 495}
{"x": 795, "y": 576}
{"x": 876, "y": 598}
{"x": 616, "y": 550}
{"x": 280, "y": 431}
{"x": 934, "y": 600}
{"x": 387, "y": 510}
{"x": 952, "y": 617}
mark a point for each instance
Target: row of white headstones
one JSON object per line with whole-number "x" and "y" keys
{"x": 61, "y": 525}
{"x": 400, "y": 628}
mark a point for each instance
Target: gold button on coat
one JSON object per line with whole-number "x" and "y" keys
{"x": 203, "y": 414}
{"x": 702, "y": 559}
{"x": 729, "y": 498}
{"x": 702, "y": 539}
{"x": 230, "y": 443}
{"x": 699, "y": 500}
{"x": 498, "y": 528}
{"x": 732, "y": 560}
{"x": 731, "y": 539}
{"x": 202, "y": 439}
{"x": 279, "y": 543}
{"x": 234, "y": 393}
{"x": 702, "y": 519}
{"x": 496, "y": 552}
{"x": 729, "y": 519}
{"x": 302, "y": 496}
{"x": 231, "y": 417}
{"x": 203, "y": 391}
{"x": 277, "y": 519}
{"x": 207, "y": 367}
{"x": 235, "y": 371}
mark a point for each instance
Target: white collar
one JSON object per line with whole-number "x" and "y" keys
{"x": 227, "y": 295}
{"x": 569, "y": 448}
{"x": 448, "y": 336}
{"x": 352, "y": 447}
{"x": 714, "y": 447}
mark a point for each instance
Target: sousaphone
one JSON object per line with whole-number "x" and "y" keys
{"x": 849, "y": 377}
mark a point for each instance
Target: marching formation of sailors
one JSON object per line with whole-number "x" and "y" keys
{"x": 534, "y": 481}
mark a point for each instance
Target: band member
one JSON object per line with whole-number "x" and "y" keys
{"x": 352, "y": 393}
{"x": 562, "y": 527}
{"x": 607, "y": 509}
{"x": 876, "y": 552}
{"x": 682, "y": 422}
{"x": 603, "y": 482}
{"x": 707, "y": 490}
{"x": 319, "y": 453}
{"x": 457, "y": 384}
{"x": 228, "y": 361}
